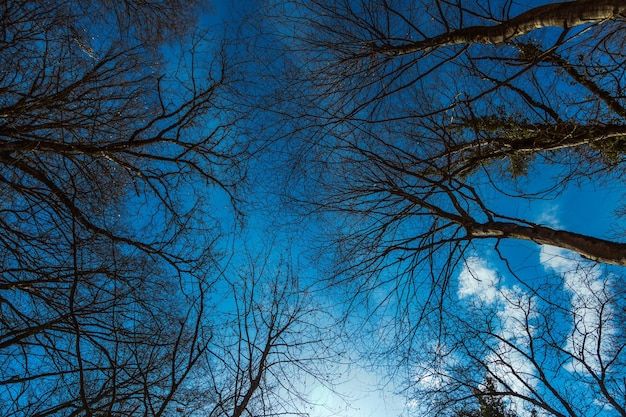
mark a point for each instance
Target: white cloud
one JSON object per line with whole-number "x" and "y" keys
{"x": 433, "y": 374}
{"x": 591, "y": 327}
{"x": 508, "y": 362}
{"x": 515, "y": 315}
{"x": 509, "y": 365}
{"x": 589, "y": 309}
{"x": 478, "y": 280}
{"x": 549, "y": 217}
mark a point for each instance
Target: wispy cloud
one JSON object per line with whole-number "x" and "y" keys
{"x": 481, "y": 282}
{"x": 589, "y": 307}
{"x": 584, "y": 320}
{"x": 478, "y": 280}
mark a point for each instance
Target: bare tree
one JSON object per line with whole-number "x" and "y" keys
{"x": 411, "y": 117}
{"x": 556, "y": 348}
{"x": 109, "y": 150}
{"x": 489, "y": 403}
{"x": 272, "y": 339}
{"x": 414, "y": 129}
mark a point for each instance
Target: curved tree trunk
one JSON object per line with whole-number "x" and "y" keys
{"x": 564, "y": 15}
{"x": 599, "y": 250}
{"x": 595, "y": 249}
{"x": 533, "y": 138}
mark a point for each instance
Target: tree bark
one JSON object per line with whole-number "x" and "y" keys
{"x": 564, "y": 15}
{"x": 534, "y": 138}
{"x": 592, "y": 248}
{"x": 599, "y": 250}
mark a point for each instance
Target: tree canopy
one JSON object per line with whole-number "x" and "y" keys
{"x": 423, "y": 135}
{"x": 201, "y": 219}
{"x": 116, "y": 145}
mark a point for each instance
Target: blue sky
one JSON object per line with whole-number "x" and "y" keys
{"x": 483, "y": 280}
{"x": 379, "y": 360}
{"x": 587, "y": 207}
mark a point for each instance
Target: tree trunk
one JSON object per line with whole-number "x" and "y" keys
{"x": 528, "y": 139}
{"x": 595, "y": 249}
{"x": 564, "y": 15}
{"x": 599, "y": 250}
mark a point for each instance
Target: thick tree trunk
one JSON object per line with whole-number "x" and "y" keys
{"x": 564, "y": 15}
{"x": 255, "y": 382}
{"x": 599, "y": 250}
{"x": 532, "y": 138}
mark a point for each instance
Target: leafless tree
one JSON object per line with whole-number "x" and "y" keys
{"x": 556, "y": 348}
{"x": 113, "y": 134}
{"x": 274, "y": 343}
{"x": 413, "y": 127}
{"x": 412, "y": 118}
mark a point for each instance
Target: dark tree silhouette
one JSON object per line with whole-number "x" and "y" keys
{"x": 552, "y": 346}
{"x": 409, "y": 120}
{"x": 112, "y": 138}
{"x": 276, "y": 339}
{"x": 416, "y": 132}
{"x": 489, "y": 405}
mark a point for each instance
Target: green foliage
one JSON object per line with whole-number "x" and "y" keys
{"x": 503, "y": 135}
{"x": 518, "y": 165}
{"x": 612, "y": 150}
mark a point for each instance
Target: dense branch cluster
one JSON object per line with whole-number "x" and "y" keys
{"x": 422, "y": 133}
{"x": 413, "y": 136}
{"x": 114, "y": 136}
